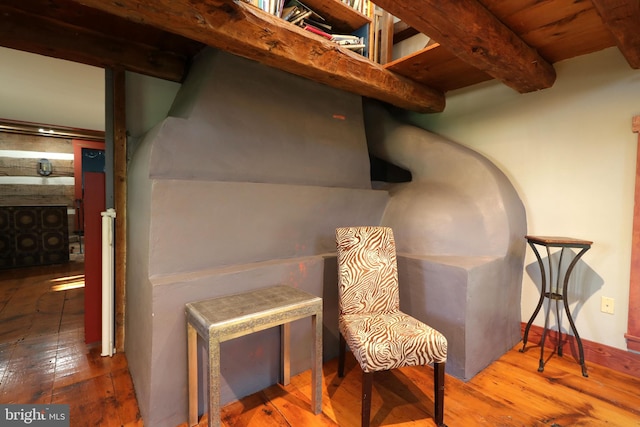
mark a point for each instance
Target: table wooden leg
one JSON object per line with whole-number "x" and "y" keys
{"x": 285, "y": 352}
{"x": 192, "y": 356}
{"x": 214, "y": 382}
{"x": 316, "y": 364}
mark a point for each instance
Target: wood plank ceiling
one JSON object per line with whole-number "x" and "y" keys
{"x": 514, "y": 41}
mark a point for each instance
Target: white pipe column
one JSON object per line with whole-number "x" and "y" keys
{"x": 108, "y": 268}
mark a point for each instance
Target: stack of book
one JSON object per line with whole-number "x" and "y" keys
{"x": 349, "y": 41}
{"x": 299, "y": 14}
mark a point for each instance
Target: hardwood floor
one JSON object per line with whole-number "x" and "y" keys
{"x": 510, "y": 392}
{"x": 43, "y": 359}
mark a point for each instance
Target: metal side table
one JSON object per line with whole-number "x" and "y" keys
{"x": 221, "y": 319}
{"x": 553, "y": 292}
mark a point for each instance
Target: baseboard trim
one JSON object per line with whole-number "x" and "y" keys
{"x": 619, "y": 360}
{"x": 633, "y": 342}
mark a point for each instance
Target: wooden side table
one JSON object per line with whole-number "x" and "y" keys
{"x": 552, "y": 292}
{"x": 221, "y": 319}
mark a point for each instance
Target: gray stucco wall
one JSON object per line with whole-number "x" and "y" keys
{"x": 459, "y": 227}
{"x": 242, "y": 187}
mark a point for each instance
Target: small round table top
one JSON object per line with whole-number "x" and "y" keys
{"x": 558, "y": 241}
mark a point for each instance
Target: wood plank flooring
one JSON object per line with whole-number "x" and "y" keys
{"x": 43, "y": 359}
{"x": 510, "y": 392}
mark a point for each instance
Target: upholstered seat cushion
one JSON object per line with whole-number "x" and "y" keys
{"x": 391, "y": 340}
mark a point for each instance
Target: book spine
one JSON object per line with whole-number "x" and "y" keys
{"x": 301, "y": 17}
{"x": 318, "y": 31}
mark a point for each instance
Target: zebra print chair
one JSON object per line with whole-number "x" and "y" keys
{"x": 380, "y": 336}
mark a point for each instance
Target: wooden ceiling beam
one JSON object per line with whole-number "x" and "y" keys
{"x": 244, "y": 30}
{"x": 35, "y": 34}
{"x": 477, "y": 37}
{"x": 622, "y": 18}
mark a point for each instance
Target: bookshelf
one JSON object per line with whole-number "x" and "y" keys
{"x": 340, "y": 21}
{"x": 342, "y": 17}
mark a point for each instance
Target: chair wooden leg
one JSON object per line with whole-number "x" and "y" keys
{"x": 341, "y": 351}
{"x": 438, "y": 395}
{"x": 367, "y": 388}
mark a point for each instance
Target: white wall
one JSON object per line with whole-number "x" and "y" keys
{"x": 570, "y": 153}
{"x": 39, "y": 89}
{"x": 148, "y": 102}
{"x": 409, "y": 46}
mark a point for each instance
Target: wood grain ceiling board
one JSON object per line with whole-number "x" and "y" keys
{"x": 558, "y": 29}
{"x": 439, "y": 68}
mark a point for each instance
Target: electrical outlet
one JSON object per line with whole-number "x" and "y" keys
{"x": 606, "y": 305}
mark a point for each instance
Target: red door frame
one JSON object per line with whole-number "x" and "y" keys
{"x": 94, "y": 204}
{"x": 92, "y": 240}
{"x": 78, "y": 145}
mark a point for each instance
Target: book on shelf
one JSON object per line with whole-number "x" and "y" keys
{"x": 317, "y": 31}
{"x": 351, "y": 42}
{"x": 293, "y": 9}
{"x": 300, "y": 17}
{"x": 323, "y": 25}
{"x": 347, "y": 39}
{"x": 288, "y": 12}
{"x": 359, "y": 48}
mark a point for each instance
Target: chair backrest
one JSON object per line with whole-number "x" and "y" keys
{"x": 367, "y": 270}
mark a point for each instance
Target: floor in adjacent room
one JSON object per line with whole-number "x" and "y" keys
{"x": 43, "y": 356}
{"x": 43, "y": 359}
